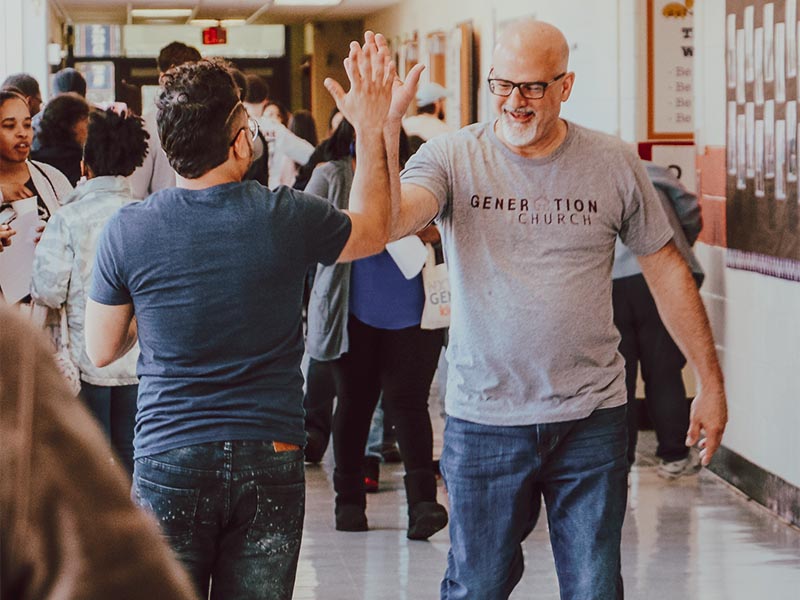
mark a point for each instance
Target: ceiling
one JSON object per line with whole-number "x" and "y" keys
{"x": 255, "y": 11}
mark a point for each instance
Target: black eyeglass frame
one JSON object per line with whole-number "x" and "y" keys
{"x": 538, "y": 94}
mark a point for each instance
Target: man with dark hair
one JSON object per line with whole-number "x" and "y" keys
{"x": 176, "y": 54}
{"x": 29, "y": 87}
{"x": 155, "y": 173}
{"x": 69, "y": 80}
{"x": 60, "y": 134}
{"x": 257, "y": 96}
{"x": 218, "y": 455}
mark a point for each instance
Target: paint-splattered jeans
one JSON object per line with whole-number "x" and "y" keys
{"x": 231, "y": 511}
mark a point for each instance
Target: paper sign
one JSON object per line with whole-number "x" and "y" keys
{"x": 16, "y": 260}
{"x": 409, "y": 253}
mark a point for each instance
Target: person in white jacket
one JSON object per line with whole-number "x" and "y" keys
{"x": 63, "y": 265}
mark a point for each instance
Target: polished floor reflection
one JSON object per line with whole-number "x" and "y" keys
{"x": 690, "y": 539}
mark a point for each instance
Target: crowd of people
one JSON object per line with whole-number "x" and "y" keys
{"x": 197, "y": 251}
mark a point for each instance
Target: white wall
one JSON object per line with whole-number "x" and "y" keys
{"x": 756, "y": 319}
{"x": 601, "y": 34}
{"x": 24, "y": 35}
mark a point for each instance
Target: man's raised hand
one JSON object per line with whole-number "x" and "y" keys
{"x": 372, "y": 75}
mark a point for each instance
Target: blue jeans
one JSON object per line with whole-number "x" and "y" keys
{"x": 496, "y": 477}
{"x": 115, "y": 408}
{"x": 231, "y": 511}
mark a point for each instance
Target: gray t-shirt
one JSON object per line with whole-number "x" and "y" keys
{"x": 529, "y": 245}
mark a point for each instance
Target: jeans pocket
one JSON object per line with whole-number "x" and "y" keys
{"x": 175, "y": 509}
{"x": 277, "y": 525}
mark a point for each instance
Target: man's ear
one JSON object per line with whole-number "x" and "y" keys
{"x": 242, "y": 146}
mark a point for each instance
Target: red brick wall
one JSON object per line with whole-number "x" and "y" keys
{"x": 711, "y": 186}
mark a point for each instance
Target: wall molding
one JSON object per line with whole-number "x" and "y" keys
{"x": 769, "y": 490}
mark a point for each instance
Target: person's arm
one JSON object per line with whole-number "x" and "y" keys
{"x": 110, "y": 331}
{"x": 291, "y": 145}
{"x": 680, "y": 307}
{"x": 366, "y": 105}
{"x": 413, "y": 207}
{"x": 52, "y": 264}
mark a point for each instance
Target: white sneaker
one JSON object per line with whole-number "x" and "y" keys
{"x": 680, "y": 468}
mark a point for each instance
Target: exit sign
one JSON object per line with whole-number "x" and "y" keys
{"x": 214, "y": 35}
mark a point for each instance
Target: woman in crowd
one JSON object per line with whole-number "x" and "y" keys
{"x": 365, "y": 317}
{"x": 21, "y": 178}
{"x": 61, "y": 134}
{"x": 62, "y": 268}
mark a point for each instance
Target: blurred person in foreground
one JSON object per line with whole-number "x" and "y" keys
{"x": 69, "y": 528}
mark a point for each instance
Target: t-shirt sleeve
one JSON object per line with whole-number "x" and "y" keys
{"x": 108, "y": 283}
{"x": 430, "y": 168}
{"x": 645, "y": 228}
{"x": 326, "y": 229}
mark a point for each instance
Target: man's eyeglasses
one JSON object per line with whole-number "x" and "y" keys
{"x": 532, "y": 90}
{"x": 252, "y": 125}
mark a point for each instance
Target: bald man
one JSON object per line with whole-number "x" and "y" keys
{"x": 530, "y": 206}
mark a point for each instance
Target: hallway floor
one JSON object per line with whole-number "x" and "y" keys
{"x": 695, "y": 538}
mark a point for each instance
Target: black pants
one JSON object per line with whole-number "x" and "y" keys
{"x": 646, "y": 342}
{"x": 400, "y": 362}
{"x": 318, "y": 400}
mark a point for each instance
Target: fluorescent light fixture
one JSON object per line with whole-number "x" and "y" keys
{"x": 307, "y": 2}
{"x": 215, "y": 22}
{"x": 160, "y": 13}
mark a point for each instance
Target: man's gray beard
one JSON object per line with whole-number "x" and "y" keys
{"x": 518, "y": 135}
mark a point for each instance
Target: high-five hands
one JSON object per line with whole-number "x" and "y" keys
{"x": 372, "y": 74}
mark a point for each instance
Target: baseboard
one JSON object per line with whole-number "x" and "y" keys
{"x": 772, "y": 492}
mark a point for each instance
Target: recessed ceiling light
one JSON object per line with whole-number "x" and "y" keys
{"x": 204, "y": 22}
{"x": 232, "y": 22}
{"x": 307, "y": 2}
{"x": 160, "y": 13}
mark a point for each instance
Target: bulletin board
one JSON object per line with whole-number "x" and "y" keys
{"x": 762, "y": 159}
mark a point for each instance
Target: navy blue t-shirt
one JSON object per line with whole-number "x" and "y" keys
{"x": 216, "y": 281}
{"x": 382, "y": 297}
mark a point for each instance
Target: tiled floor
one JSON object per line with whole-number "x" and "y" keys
{"x": 690, "y": 539}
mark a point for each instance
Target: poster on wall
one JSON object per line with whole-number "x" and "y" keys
{"x": 670, "y": 55}
{"x": 762, "y": 63}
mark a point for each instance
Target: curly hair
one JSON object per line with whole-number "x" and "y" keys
{"x": 116, "y": 144}
{"x": 193, "y": 106}
{"x": 59, "y": 118}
